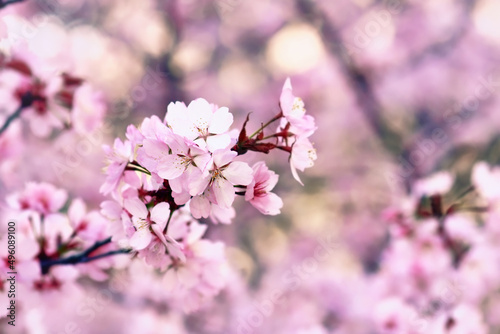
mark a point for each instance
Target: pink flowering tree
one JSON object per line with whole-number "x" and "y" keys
{"x": 150, "y": 153}
{"x": 163, "y": 178}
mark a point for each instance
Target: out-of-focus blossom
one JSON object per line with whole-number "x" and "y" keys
{"x": 42, "y": 198}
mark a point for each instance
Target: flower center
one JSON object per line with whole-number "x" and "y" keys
{"x": 141, "y": 223}
{"x": 298, "y": 106}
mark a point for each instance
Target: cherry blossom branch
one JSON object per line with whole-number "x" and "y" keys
{"x": 26, "y": 101}
{"x": 357, "y": 79}
{"x": 247, "y": 143}
{"x": 457, "y": 249}
{"x": 11, "y": 118}
{"x": 465, "y": 192}
{"x": 9, "y": 2}
{"x": 82, "y": 257}
{"x": 262, "y": 127}
{"x": 168, "y": 221}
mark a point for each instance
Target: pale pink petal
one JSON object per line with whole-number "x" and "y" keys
{"x": 135, "y": 207}
{"x": 158, "y": 231}
{"x": 58, "y": 200}
{"x": 77, "y": 211}
{"x": 141, "y": 239}
{"x": 223, "y": 157}
{"x": 200, "y": 113}
{"x": 238, "y": 173}
{"x": 181, "y": 197}
{"x": 171, "y": 167}
{"x": 486, "y": 180}
{"x": 271, "y": 181}
{"x": 175, "y": 111}
{"x": 29, "y": 271}
{"x": 160, "y": 213}
{"x": 224, "y": 192}
{"x": 155, "y": 148}
{"x": 249, "y": 193}
{"x": 286, "y": 98}
{"x": 218, "y": 142}
{"x": 111, "y": 209}
{"x": 437, "y": 183}
{"x": 200, "y": 207}
{"x": 269, "y": 204}
{"x": 203, "y": 161}
{"x": 175, "y": 249}
{"x": 295, "y": 174}
{"x": 198, "y": 183}
{"x": 196, "y": 231}
{"x": 222, "y": 215}
{"x": 221, "y": 121}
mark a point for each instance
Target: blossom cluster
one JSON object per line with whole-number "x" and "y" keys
{"x": 168, "y": 174}
{"x": 47, "y": 101}
{"x": 441, "y": 267}
{"x": 52, "y": 235}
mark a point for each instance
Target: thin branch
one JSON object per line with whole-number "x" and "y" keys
{"x": 9, "y": 2}
{"x": 263, "y": 126}
{"x": 82, "y": 257}
{"x": 26, "y": 101}
{"x": 168, "y": 221}
{"x": 359, "y": 81}
{"x": 11, "y": 118}
{"x": 96, "y": 246}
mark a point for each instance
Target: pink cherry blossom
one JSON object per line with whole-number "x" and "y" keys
{"x": 143, "y": 222}
{"x": 393, "y": 316}
{"x": 43, "y": 198}
{"x": 88, "y": 110}
{"x": 435, "y": 184}
{"x": 258, "y": 192}
{"x": 185, "y": 155}
{"x": 204, "y": 206}
{"x": 45, "y": 114}
{"x": 295, "y": 113}
{"x": 90, "y": 226}
{"x": 302, "y": 156}
{"x": 461, "y": 320}
{"x": 486, "y": 179}
{"x": 224, "y": 175}
{"x": 201, "y": 122}
{"x": 118, "y": 158}
{"x": 203, "y": 275}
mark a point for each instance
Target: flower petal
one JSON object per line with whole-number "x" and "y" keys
{"x": 218, "y": 142}
{"x": 135, "y": 207}
{"x": 224, "y": 192}
{"x": 238, "y": 173}
{"x": 141, "y": 239}
{"x": 76, "y": 211}
{"x": 200, "y": 207}
{"x": 197, "y": 183}
{"x": 160, "y": 213}
{"x": 223, "y": 157}
{"x": 221, "y": 121}
{"x": 270, "y": 204}
{"x": 171, "y": 167}
{"x": 200, "y": 113}
{"x": 175, "y": 249}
